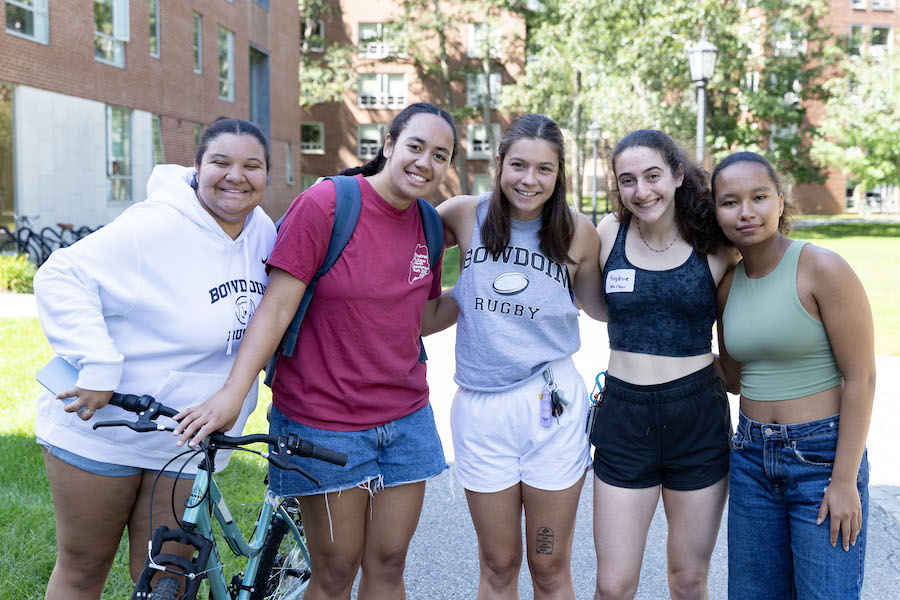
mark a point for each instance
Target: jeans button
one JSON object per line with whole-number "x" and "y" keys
{"x": 768, "y": 431}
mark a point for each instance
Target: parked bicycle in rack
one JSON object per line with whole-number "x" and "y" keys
{"x": 27, "y": 240}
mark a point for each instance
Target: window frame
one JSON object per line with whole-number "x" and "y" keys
{"x": 311, "y": 148}
{"x": 860, "y": 40}
{"x": 881, "y": 49}
{"x": 383, "y": 129}
{"x": 471, "y": 140}
{"x": 198, "y": 43}
{"x": 473, "y": 43}
{"x": 474, "y": 89}
{"x": 40, "y": 14}
{"x": 381, "y": 47}
{"x": 320, "y": 25}
{"x": 858, "y": 4}
{"x": 111, "y": 177}
{"x": 156, "y": 27}
{"x": 883, "y": 5}
{"x": 229, "y": 51}
{"x": 156, "y": 134}
{"x": 119, "y": 27}
{"x": 383, "y": 99}
{"x": 288, "y": 163}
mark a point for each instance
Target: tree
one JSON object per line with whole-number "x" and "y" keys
{"x": 624, "y": 64}
{"x": 324, "y": 76}
{"x": 859, "y": 133}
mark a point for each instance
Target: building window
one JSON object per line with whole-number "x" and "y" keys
{"x": 381, "y": 90}
{"x": 118, "y": 154}
{"x": 198, "y": 134}
{"x": 380, "y": 40}
{"x": 481, "y": 36}
{"x": 28, "y": 18}
{"x": 481, "y": 183}
{"x": 307, "y": 181}
{"x": 288, "y": 163}
{"x": 159, "y": 156}
{"x": 880, "y": 40}
{"x": 226, "y": 65}
{"x": 860, "y": 4}
{"x": 369, "y": 139}
{"x": 110, "y": 31}
{"x": 198, "y": 43}
{"x": 856, "y": 39}
{"x": 479, "y": 147}
{"x": 788, "y": 42}
{"x": 476, "y": 89}
{"x": 316, "y": 40}
{"x": 154, "y": 28}
{"x": 312, "y": 138}
{"x": 263, "y": 3}
{"x": 882, "y": 4}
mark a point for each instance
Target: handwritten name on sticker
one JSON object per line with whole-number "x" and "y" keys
{"x": 620, "y": 280}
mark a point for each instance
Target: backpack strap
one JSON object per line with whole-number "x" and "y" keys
{"x": 433, "y": 228}
{"x": 347, "y": 204}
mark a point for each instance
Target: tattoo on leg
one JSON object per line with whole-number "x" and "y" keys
{"x": 544, "y": 540}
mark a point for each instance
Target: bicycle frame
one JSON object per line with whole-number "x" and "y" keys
{"x": 197, "y": 520}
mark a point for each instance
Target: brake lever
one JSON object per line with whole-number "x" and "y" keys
{"x": 283, "y": 461}
{"x": 141, "y": 425}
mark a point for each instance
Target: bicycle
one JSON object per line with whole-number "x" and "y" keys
{"x": 278, "y": 565}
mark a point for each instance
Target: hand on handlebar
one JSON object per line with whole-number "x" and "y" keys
{"x": 218, "y": 413}
{"x": 86, "y": 402}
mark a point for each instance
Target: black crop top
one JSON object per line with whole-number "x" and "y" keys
{"x": 666, "y": 313}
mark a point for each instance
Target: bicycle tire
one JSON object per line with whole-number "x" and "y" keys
{"x": 165, "y": 589}
{"x": 282, "y": 565}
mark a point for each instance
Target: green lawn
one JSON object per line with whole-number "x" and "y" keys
{"x": 873, "y": 250}
{"x": 26, "y": 510}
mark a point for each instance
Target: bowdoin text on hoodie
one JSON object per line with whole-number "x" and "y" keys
{"x": 154, "y": 303}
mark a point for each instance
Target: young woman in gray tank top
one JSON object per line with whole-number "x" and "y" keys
{"x": 524, "y": 254}
{"x": 798, "y": 344}
{"x": 664, "y": 424}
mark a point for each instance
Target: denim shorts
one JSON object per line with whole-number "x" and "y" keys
{"x": 775, "y": 549}
{"x": 675, "y": 434}
{"x": 406, "y": 450}
{"x": 102, "y": 468}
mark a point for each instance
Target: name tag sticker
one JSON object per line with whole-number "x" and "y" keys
{"x": 620, "y": 280}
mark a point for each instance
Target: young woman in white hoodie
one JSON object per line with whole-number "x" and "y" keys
{"x": 156, "y": 302}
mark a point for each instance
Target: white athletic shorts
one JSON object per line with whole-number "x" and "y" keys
{"x": 499, "y": 441}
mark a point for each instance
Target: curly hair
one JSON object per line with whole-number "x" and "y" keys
{"x": 695, "y": 214}
{"x": 397, "y": 126}
{"x": 557, "y": 223}
{"x": 784, "y": 222}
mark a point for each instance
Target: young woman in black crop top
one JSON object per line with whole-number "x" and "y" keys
{"x": 664, "y": 424}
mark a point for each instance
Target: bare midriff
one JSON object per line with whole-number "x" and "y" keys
{"x": 651, "y": 369}
{"x": 794, "y": 410}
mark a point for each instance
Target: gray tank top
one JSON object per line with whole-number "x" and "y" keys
{"x": 516, "y": 312}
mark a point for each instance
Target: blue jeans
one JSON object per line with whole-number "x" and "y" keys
{"x": 775, "y": 549}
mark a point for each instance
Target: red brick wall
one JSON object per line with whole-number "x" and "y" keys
{"x": 168, "y": 86}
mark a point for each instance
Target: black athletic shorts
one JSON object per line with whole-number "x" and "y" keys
{"x": 676, "y": 433}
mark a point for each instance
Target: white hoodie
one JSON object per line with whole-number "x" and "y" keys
{"x": 154, "y": 303}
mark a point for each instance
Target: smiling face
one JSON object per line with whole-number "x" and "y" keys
{"x": 231, "y": 179}
{"x": 748, "y": 204}
{"x": 528, "y": 176}
{"x": 417, "y": 160}
{"x": 646, "y": 183}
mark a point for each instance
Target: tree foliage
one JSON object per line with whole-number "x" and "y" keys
{"x": 631, "y": 61}
{"x": 324, "y": 76}
{"x": 860, "y": 133}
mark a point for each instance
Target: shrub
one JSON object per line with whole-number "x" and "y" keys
{"x": 16, "y": 274}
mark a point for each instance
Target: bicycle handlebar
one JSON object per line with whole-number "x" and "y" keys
{"x": 148, "y": 409}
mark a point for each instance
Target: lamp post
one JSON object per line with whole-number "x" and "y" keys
{"x": 702, "y": 58}
{"x": 594, "y": 132}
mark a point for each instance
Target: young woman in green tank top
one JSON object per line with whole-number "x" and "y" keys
{"x": 797, "y": 342}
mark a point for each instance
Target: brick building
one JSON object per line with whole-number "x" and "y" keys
{"x": 348, "y": 133}
{"x": 92, "y": 97}
{"x": 869, "y": 26}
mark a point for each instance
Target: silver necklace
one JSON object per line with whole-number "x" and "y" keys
{"x": 640, "y": 233}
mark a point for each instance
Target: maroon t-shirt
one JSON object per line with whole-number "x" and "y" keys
{"x": 356, "y": 361}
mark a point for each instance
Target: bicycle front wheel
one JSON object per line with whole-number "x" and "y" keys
{"x": 283, "y": 564}
{"x": 165, "y": 589}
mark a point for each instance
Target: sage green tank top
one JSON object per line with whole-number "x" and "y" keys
{"x": 783, "y": 350}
